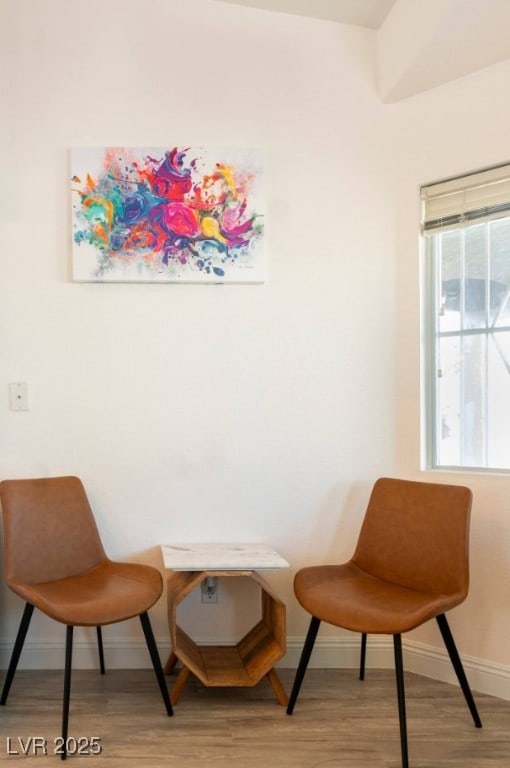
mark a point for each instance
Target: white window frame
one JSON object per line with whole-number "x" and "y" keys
{"x": 453, "y": 204}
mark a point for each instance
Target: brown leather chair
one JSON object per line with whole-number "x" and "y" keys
{"x": 410, "y": 565}
{"x": 54, "y": 560}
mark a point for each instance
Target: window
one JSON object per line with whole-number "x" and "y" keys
{"x": 466, "y": 312}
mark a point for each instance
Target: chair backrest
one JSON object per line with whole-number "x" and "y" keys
{"x": 49, "y": 530}
{"x": 416, "y": 534}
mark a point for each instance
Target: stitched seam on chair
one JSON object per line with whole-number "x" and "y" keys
{"x": 84, "y": 574}
{"x": 400, "y": 586}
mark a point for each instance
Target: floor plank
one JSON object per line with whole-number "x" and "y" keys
{"x": 338, "y": 722}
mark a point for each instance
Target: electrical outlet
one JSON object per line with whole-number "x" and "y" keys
{"x": 209, "y": 590}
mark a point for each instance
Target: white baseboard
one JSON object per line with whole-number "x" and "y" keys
{"x": 341, "y": 652}
{"x": 119, "y": 654}
{"x": 485, "y": 677}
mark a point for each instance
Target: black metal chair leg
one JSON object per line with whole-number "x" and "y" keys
{"x": 156, "y": 662}
{"x": 399, "y": 670}
{"x": 459, "y": 669}
{"x": 363, "y": 656}
{"x": 67, "y": 689}
{"x": 303, "y": 662}
{"x": 16, "y": 652}
{"x": 100, "y": 649}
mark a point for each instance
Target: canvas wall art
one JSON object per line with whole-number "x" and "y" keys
{"x": 176, "y": 214}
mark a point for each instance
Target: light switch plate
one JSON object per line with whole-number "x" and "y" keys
{"x": 18, "y": 396}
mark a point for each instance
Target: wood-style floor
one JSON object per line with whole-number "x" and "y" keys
{"x": 338, "y": 722}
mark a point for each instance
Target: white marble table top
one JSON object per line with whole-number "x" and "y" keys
{"x": 221, "y": 557}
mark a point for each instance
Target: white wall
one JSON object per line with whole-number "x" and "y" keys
{"x": 453, "y": 129}
{"x": 258, "y": 413}
{"x": 234, "y": 412}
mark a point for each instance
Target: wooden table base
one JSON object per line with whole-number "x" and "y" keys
{"x": 242, "y": 664}
{"x": 184, "y": 673}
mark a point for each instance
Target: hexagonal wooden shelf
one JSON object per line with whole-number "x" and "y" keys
{"x": 242, "y": 664}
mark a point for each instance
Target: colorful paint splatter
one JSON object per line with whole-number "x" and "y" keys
{"x": 167, "y": 215}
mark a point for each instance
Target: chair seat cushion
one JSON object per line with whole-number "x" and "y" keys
{"x": 348, "y": 597}
{"x": 108, "y": 593}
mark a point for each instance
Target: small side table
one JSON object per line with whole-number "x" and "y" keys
{"x": 255, "y": 655}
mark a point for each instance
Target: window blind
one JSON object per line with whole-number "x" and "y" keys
{"x": 467, "y": 199}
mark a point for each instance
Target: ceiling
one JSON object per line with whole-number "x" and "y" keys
{"x": 420, "y": 44}
{"x": 363, "y": 13}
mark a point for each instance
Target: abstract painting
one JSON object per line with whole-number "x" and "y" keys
{"x": 176, "y": 214}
